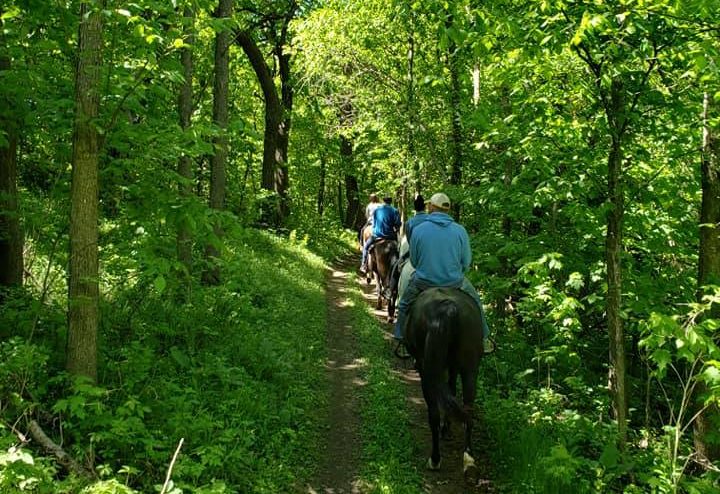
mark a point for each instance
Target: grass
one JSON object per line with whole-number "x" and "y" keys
{"x": 236, "y": 370}
{"x": 388, "y": 463}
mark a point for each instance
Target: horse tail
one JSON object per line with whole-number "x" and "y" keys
{"x": 437, "y": 347}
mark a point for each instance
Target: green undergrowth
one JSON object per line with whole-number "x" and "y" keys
{"x": 388, "y": 463}
{"x": 235, "y": 371}
{"x": 550, "y": 437}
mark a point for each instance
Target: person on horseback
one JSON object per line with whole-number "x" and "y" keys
{"x": 371, "y": 207}
{"x": 401, "y": 274}
{"x": 369, "y": 210}
{"x": 386, "y": 223}
{"x": 440, "y": 252}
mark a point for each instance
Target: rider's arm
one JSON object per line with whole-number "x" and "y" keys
{"x": 414, "y": 253}
{"x": 466, "y": 255}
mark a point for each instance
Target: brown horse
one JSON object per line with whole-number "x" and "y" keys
{"x": 444, "y": 335}
{"x": 382, "y": 257}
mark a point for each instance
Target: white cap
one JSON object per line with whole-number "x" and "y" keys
{"x": 440, "y": 200}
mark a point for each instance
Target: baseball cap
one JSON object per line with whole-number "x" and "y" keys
{"x": 440, "y": 200}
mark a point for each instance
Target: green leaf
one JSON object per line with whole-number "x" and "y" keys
{"x": 11, "y": 12}
{"x": 610, "y": 456}
{"x": 711, "y": 375}
{"x": 661, "y": 357}
{"x": 160, "y": 283}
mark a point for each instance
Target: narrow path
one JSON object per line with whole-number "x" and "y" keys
{"x": 450, "y": 479}
{"x": 338, "y": 472}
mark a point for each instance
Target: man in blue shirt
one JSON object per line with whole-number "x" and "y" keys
{"x": 440, "y": 252}
{"x": 404, "y": 266}
{"x": 386, "y": 224}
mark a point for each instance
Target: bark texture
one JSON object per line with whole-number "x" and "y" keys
{"x": 184, "y": 241}
{"x": 11, "y": 235}
{"x": 83, "y": 290}
{"x": 708, "y": 422}
{"x": 275, "y": 138}
{"x": 218, "y": 161}
{"x": 456, "y": 170}
{"x": 613, "y": 248}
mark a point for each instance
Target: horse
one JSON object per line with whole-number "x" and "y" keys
{"x": 381, "y": 259}
{"x": 444, "y": 334}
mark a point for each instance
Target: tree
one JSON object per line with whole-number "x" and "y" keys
{"x": 273, "y": 20}
{"x": 706, "y": 424}
{"x": 83, "y": 293}
{"x": 185, "y": 106}
{"x": 220, "y": 142}
{"x": 11, "y": 236}
{"x": 453, "y": 63}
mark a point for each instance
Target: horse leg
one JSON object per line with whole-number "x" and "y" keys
{"x": 446, "y": 432}
{"x": 378, "y": 292}
{"x": 391, "y": 309}
{"x": 469, "y": 383}
{"x": 432, "y": 401}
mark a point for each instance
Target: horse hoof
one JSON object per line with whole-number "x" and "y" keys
{"x": 432, "y": 465}
{"x": 470, "y": 470}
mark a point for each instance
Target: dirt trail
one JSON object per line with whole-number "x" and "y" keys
{"x": 341, "y": 463}
{"x": 338, "y": 473}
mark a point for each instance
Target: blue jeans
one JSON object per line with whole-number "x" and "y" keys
{"x": 415, "y": 288}
{"x": 366, "y": 247}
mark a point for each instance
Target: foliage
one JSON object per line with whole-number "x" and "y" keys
{"x": 196, "y": 371}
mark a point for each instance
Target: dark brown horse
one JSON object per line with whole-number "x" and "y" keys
{"x": 381, "y": 259}
{"x": 444, "y": 335}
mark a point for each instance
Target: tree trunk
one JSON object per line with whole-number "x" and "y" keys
{"x": 274, "y": 168}
{"x": 613, "y": 248}
{"x": 83, "y": 291}
{"x": 341, "y": 212}
{"x": 353, "y": 213}
{"x": 282, "y": 181}
{"x": 321, "y": 188}
{"x": 412, "y": 154}
{"x": 456, "y": 136}
{"x": 708, "y": 422}
{"x": 11, "y": 235}
{"x": 211, "y": 275}
{"x": 184, "y": 241}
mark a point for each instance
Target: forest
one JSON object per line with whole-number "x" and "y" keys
{"x": 177, "y": 177}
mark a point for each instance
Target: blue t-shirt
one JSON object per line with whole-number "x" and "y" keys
{"x": 440, "y": 251}
{"x": 386, "y": 222}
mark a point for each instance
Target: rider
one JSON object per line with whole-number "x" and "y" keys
{"x": 440, "y": 252}
{"x": 400, "y": 275}
{"x": 369, "y": 210}
{"x": 420, "y": 216}
{"x": 371, "y": 207}
{"x": 386, "y": 223}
